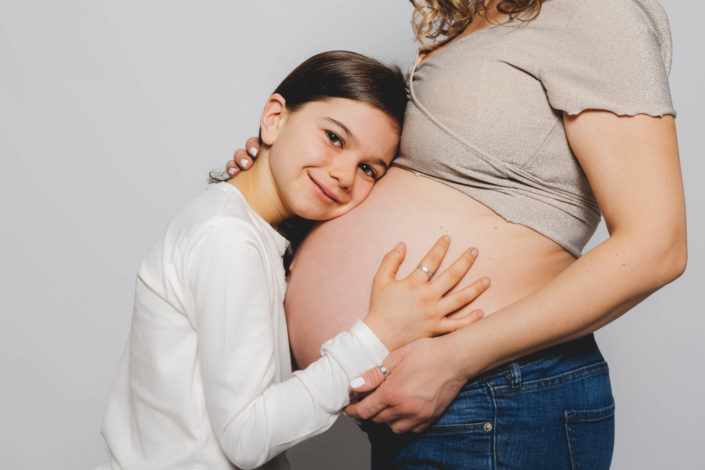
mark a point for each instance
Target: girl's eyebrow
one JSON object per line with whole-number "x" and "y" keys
{"x": 345, "y": 129}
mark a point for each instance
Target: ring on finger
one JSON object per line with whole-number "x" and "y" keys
{"x": 383, "y": 369}
{"x": 424, "y": 269}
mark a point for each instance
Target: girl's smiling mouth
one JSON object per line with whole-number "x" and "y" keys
{"x": 323, "y": 192}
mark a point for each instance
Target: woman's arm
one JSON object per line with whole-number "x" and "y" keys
{"x": 633, "y": 167}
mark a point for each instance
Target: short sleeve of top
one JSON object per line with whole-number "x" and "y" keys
{"x": 613, "y": 55}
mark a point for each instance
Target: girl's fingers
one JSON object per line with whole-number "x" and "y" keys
{"x": 457, "y": 300}
{"x": 368, "y": 381}
{"x": 431, "y": 261}
{"x": 449, "y": 278}
{"x": 389, "y": 266}
{"x": 450, "y": 324}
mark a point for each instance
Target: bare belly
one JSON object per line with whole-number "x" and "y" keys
{"x": 330, "y": 283}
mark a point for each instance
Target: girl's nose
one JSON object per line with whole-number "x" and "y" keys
{"x": 344, "y": 172}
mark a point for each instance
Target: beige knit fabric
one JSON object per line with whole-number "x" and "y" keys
{"x": 485, "y": 115}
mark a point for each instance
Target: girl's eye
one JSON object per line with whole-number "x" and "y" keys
{"x": 368, "y": 170}
{"x": 334, "y": 139}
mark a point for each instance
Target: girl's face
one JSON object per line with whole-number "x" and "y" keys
{"x": 326, "y": 156}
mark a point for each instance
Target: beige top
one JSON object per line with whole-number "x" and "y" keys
{"x": 485, "y": 115}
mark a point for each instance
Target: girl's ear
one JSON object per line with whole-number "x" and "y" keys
{"x": 272, "y": 118}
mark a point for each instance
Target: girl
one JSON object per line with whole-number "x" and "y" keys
{"x": 526, "y": 122}
{"x": 205, "y": 378}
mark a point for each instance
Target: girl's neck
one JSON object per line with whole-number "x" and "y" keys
{"x": 258, "y": 187}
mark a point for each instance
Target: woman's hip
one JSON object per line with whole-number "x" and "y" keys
{"x": 551, "y": 409}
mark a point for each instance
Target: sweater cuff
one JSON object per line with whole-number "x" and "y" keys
{"x": 356, "y": 350}
{"x": 375, "y": 348}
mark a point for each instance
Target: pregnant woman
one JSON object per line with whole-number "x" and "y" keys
{"x": 525, "y": 124}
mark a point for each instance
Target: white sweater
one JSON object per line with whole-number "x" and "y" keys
{"x": 205, "y": 381}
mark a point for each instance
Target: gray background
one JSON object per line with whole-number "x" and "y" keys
{"x": 111, "y": 115}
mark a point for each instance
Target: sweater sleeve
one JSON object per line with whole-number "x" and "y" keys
{"x": 613, "y": 55}
{"x": 253, "y": 417}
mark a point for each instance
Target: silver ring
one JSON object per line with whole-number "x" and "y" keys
{"x": 424, "y": 269}
{"x": 383, "y": 369}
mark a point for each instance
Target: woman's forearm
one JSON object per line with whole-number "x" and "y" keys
{"x": 596, "y": 289}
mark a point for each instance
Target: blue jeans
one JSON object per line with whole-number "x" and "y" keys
{"x": 549, "y": 410}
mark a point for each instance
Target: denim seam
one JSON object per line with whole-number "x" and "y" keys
{"x": 569, "y": 442}
{"x": 556, "y": 380}
{"x": 456, "y": 427}
{"x": 493, "y": 437}
{"x": 607, "y": 412}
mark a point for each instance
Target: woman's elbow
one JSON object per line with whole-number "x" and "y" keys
{"x": 673, "y": 259}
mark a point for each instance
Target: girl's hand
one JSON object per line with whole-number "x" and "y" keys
{"x": 242, "y": 159}
{"x": 420, "y": 305}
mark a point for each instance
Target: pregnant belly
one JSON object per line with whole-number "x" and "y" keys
{"x": 330, "y": 283}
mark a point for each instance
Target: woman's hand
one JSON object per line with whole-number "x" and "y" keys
{"x": 411, "y": 397}
{"x": 242, "y": 159}
{"x": 421, "y": 305}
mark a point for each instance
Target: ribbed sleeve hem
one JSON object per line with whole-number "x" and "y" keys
{"x": 356, "y": 350}
{"x": 375, "y": 348}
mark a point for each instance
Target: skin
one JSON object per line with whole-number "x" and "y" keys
{"x": 321, "y": 161}
{"x": 632, "y": 164}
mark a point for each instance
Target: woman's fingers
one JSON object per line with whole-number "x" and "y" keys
{"x": 430, "y": 263}
{"x": 457, "y": 300}
{"x": 252, "y": 146}
{"x": 450, "y": 324}
{"x": 449, "y": 278}
{"x": 387, "y": 270}
{"x": 242, "y": 159}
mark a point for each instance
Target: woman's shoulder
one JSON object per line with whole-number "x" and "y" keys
{"x": 600, "y": 15}
{"x": 618, "y": 24}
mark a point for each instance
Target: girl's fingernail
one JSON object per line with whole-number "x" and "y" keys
{"x": 253, "y": 151}
{"x": 231, "y": 171}
{"x": 244, "y": 162}
{"x": 357, "y": 382}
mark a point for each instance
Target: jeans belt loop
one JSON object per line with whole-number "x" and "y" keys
{"x": 515, "y": 374}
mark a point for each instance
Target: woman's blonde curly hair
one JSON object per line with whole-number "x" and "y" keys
{"x": 448, "y": 18}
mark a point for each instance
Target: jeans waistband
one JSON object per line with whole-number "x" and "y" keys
{"x": 574, "y": 348}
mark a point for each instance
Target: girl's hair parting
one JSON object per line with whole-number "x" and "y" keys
{"x": 337, "y": 74}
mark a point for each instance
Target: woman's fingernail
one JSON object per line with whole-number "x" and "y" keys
{"x": 399, "y": 247}
{"x": 485, "y": 282}
{"x": 474, "y": 252}
{"x": 357, "y": 382}
{"x": 231, "y": 171}
{"x": 244, "y": 162}
{"x": 446, "y": 238}
{"x": 253, "y": 151}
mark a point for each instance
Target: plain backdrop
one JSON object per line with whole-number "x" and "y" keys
{"x": 111, "y": 116}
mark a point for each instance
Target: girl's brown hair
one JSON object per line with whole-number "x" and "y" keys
{"x": 448, "y": 18}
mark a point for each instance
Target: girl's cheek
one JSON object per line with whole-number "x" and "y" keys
{"x": 362, "y": 190}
